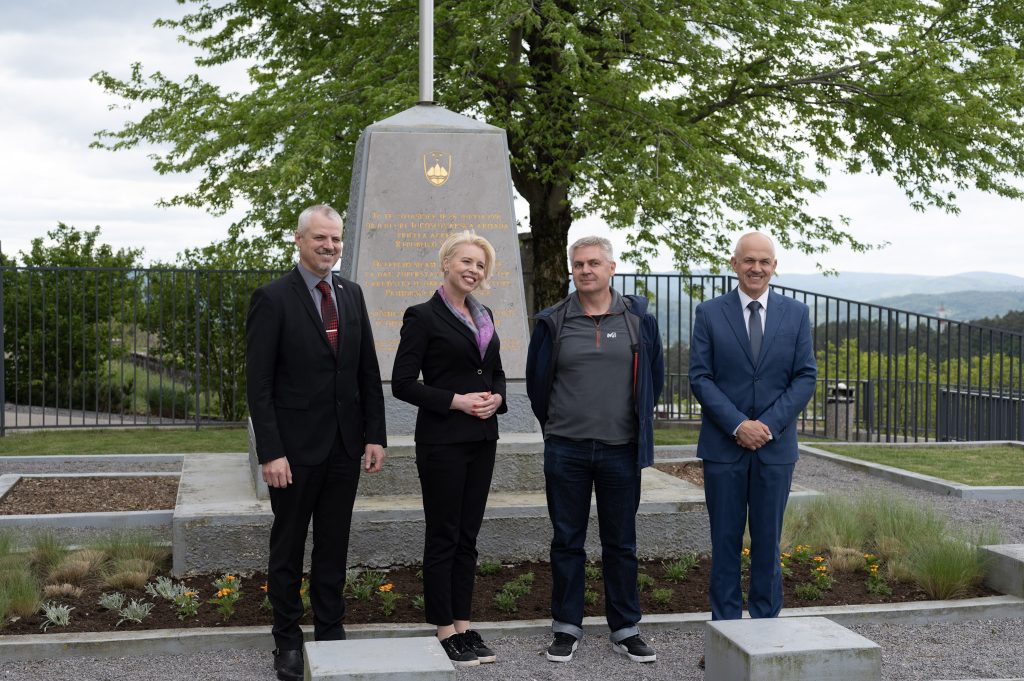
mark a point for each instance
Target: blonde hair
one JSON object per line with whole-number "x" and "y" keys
{"x": 452, "y": 244}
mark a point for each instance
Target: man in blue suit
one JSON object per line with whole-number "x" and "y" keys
{"x": 752, "y": 369}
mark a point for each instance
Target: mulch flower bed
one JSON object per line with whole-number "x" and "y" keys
{"x": 687, "y": 596}
{"x": 93, "y": 494}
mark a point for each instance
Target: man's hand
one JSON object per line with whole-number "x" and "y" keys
{"x": 753, "y": 435}
{"x": 277, "y": 473}
{"x": 373, "y": 458}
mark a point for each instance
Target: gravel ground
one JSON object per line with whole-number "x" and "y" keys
{"x": 985, "y": 649}
{"x": 56, "y": 463}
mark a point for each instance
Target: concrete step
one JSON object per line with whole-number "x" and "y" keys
{"x": 219, "y": 524}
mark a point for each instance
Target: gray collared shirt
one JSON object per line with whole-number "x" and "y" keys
{"x": 592, "y": 394}
{"x": 311, "y": 280}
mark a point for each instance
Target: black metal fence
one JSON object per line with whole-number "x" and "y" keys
{"x": 89, "y": 347}
{"x": 883, "y": 374}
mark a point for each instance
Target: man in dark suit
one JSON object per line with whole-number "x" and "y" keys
{"x": 317, "y": 408}
{"x": 752, "y": 368}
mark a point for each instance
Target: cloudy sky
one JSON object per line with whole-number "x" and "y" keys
{"x": 49, "y": 111}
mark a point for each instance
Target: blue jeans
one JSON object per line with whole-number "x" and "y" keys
{"x": 572, "y": 470}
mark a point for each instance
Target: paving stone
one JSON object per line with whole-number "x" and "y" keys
{"x": 420, "y": 658}
{"x": 788, "y": 649}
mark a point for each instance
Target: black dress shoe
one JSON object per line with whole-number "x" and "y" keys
{"x": 288, "y": 665}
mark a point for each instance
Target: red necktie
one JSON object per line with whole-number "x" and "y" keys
{"x": 329, "y": 313}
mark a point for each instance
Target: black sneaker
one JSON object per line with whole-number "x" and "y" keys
{"x": 458, "y": 653}
{"x": 474, "y": 642}
{"x": 635, "y": 648}
{"x": 562, "y": 648}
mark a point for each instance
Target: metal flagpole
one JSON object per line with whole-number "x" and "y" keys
{"x": 426, "y": 51}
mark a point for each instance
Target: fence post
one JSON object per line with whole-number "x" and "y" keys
{"x": 195, "y": 377}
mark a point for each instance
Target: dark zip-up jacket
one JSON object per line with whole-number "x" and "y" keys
{"x": 648, "y": 367}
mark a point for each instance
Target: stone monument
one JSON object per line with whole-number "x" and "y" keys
{"x": 417, "y": 177}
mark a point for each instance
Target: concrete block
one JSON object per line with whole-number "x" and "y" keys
{"x": 419, "y": 658}
{"x": 1006, "y": 568}
{"x": 788, "y": 649}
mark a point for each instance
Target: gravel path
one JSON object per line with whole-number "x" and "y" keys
{"x": 985, "y": 649}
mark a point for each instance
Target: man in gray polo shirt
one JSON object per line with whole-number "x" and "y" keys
{"x": 594, "y": 372}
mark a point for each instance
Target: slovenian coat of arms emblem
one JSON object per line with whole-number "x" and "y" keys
{"x": 437, "y": 167}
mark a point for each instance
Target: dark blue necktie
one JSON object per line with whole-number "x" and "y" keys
{"x": 754, "y": 328}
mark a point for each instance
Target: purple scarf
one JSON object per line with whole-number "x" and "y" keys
{"x": 481, "y": 325}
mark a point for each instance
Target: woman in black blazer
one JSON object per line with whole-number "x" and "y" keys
{"x": 451, "y": 340}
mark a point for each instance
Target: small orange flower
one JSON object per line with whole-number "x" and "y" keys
{"x": 822, "y": 568}
{"x": 386, "y": 588}
{"x": 819, "y": 559}
{"x": 229, "y": 578}
{"x": 190, "y": 594}
{"x": 264, "y": 588}
{"x": 746, "y": 552}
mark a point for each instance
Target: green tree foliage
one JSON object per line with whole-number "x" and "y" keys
{"x": 1011, "y": 321}
{"x": 62, "y": 312}
{"x": 682, "y": 122}
{"x": 198, "y": 312}
{"x": 903, "y": 385}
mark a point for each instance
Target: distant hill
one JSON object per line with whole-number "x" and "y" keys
{"x": 959, "y": 305}
{"x": 868, "y": 286}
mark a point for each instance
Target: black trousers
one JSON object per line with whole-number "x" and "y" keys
{"x": 455, "y": 479}
{"x": 324, "y": 493}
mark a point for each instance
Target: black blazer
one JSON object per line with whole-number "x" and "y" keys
{"x": 445, "y": 350}
{"x": 300, "y": 393}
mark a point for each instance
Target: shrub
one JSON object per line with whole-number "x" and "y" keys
{"x": 661, "y": 596}
{"x": 678, "y": 569}
{"x": 488, "y": 567}
{"x": 807, "y": 592}
{"x": 644, "y": 582}
{"x": 56, "y": 615}
{"x": 169, "y": 403}
{"x": 590, "y": 597}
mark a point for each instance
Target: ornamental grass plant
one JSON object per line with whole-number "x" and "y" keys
{"x": 912, "y": 540}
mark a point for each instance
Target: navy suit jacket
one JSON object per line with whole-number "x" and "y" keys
{"x": 732, "y": 387}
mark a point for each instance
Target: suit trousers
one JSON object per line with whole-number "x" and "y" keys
{"x": 746, "y": 488}
{"x": 324, "y": 493}
{"x": 455, "y": 479}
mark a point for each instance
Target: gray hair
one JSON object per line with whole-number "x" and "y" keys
{"x": 321, "y": 208}
{"x": 599, "y": 241}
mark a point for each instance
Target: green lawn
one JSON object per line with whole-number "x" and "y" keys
{"x": 125, "y": 441}
{"x": 988, "y": 465}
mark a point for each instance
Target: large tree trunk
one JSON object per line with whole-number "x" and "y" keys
{"x": 550, "y": 227}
